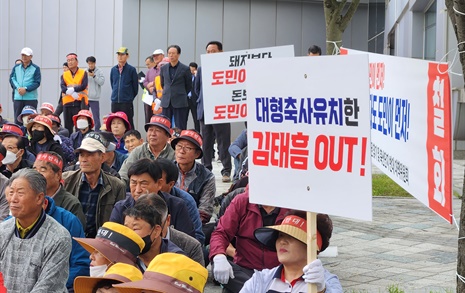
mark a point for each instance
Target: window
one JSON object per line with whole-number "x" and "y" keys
{"x": 430, "y": 33}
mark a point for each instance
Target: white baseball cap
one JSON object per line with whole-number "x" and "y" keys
{"x": 26, "y": 51}
{"x": 158, "y": 52}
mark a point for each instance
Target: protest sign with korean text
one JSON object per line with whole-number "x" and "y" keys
{"x": 411, "y": 127}
{"x": 309, "y": 134}
{"x": 224, "y": 79}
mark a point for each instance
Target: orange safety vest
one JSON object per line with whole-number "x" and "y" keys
{"x": 72, "y": 82}
{"x": 159, "y": 91}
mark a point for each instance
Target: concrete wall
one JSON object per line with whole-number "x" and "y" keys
{"x": 53, "y": 28}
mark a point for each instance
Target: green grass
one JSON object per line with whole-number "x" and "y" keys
{"x": 385, "y": 186}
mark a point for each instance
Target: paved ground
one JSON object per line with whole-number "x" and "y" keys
{"x": 406, "y": 245}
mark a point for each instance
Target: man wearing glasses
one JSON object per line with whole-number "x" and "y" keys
{"x": 194, "y": 178}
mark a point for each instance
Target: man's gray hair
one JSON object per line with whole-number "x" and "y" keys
{"x": 36, "y": 180}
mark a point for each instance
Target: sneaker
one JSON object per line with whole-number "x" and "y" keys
{"x": 226, "y": 178}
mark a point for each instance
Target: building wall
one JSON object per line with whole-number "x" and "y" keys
{"x": 53, "y": 28}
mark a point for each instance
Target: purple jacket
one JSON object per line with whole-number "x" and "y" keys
{"x": 240, "y": 220}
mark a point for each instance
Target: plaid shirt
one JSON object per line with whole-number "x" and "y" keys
{"x": 89, "y": 198}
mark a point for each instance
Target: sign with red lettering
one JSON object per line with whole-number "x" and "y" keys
{"x": 309, "y": 134}
{"x": 224, "y": 78}
{"x": 410, "y": 119}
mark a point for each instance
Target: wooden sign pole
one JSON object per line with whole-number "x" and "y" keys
{"x": 311, "y": 244}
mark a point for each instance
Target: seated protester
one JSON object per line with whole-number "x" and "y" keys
{"x": 4, "y": 209}
{"x": 96, "y": 190}
{"x": 50, "y": 165}
{"x": 27, "y": 113}
{"x": 116, "y": 274}
{"x": 239, "y": 222}
{"x": 46, "y": 109}
{"x": 169, "y": 177}
{"x": 35, "y": 249}
{"x": 158, "y": 133}
{"x": 289, "y": 239}
{"x": 145, "y": 176}
{"x": 146, "y": 220}
{"x": 57, "y": 127}
{"x": 118, "y": 123}
{"x": 16, "y": 154}
{"x": 169, "y": 272}
{"x": 41, "y": 132}
{"x": 132, "y": 139}
{"x": 188, "y": 244}
{"x": 113, "y": 158}
{"x": 236, "y": 150}
{"x": 114, "y": 243}
{"x": 79, "y": 258}
{"x": 84, "y": 123}
{"x": 64, "y": 140}
{"x": 194, "y": 178}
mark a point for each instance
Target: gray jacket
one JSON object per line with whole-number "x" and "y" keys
{"x": 95, "y": 84}
{"x": 188, "y": 244}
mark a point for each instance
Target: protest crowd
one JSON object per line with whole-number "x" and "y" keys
{"x": 89, "y": 203}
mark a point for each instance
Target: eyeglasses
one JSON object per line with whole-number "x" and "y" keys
{"x": 184, "y": 148}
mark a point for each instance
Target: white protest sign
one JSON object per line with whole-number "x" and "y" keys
{"x": 309, "y": 134}
{"x": 411, "y": 139}
{"x": 224, "y": 78}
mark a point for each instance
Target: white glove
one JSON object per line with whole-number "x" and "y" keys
{"x": 157, "y": 104}
{"x": 222, "y": 270}
{"x": 142, "y": 79}
{"x": 70, "y": 91}
{"x": 57, "y": 138}
{"x": 314, "y": 273}
{"x": 75, "y": 96}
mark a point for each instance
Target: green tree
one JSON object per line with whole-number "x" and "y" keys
{"x": 337, "y": 21}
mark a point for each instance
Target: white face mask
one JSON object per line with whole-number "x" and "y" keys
{"x": 82, "y": 124}
{"x": 9, "y": 159}
{"x": 25, "y": 120}
{"x": 98, "y": 271}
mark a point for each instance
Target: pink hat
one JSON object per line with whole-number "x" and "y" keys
{"x": 120, "y": 115}
{"x": 84, "y": 113}
{"x": 47, "y": 106}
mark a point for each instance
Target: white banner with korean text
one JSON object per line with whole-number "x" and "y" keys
{"x": 410, "y": 121}
{"x": 224, "y": 79}
{"x": 309, "y": 134}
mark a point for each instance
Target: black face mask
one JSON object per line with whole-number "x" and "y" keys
{"x": 148, "y": 242}
{"x": 37, "y": 135}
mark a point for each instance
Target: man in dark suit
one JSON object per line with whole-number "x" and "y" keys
{"x": 176, "y": 80}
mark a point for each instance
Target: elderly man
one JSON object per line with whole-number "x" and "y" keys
{"x": 96, "y": 190}
{"x": 194, "y": 177}
{"x": 43, "y": 264}
{"x": 25, "y": 79}
{"x": 50, "y": 164}
{"x": 158, "y": 134}
{"x": 152, "y": 63}
{"x": 145, "y": 176}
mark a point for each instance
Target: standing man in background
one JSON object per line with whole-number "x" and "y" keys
{"x": 124, "y": 86}
{"x": 96, "y": 80}
{"x": 73, "y": 91}
{"x": 25, "y": 79}
{"x": 192, "y": 96}
{"x": 176, "y": 81}
{"x": 222, "y": 131}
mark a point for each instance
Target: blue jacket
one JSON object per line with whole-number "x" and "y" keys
{"x": 180, "y": 219}
{"x": 124, "y": 86}
{"x": 193, "y": 212}
{"x": 29, "y": 78}
{"x": 79, "y": 261}
{"x": 119, "y": 160}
